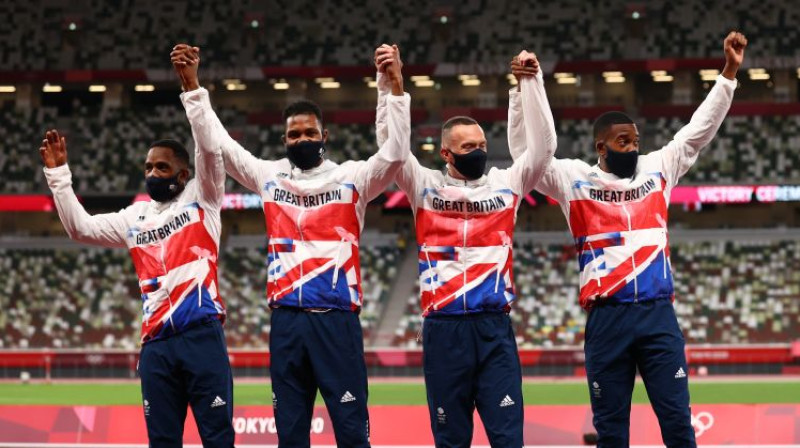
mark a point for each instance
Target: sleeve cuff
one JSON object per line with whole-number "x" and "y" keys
{"x": 383, "y": 83}
{"x": 725, "y": 81}
{"x": 58, "y": 171}
{"x": 58, "y": 177}
{"x": 399, "y": 99}
{"x": 514, "y": 98}
{"x": 195, "y": 94}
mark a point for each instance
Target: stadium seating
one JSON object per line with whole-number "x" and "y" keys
{"x": 747, "y": 149}
{"x": 243, "y": 33}
{"x": 19, "y": 161}
{"x": 89, "y": 298}
{"x": 106, "y": 148}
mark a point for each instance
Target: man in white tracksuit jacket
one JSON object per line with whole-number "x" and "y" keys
{"x": 173, "y": 241}
{"x": 617, "y": 214}
{"x": 314, "y": 210}
{"x": 465, "y": 228}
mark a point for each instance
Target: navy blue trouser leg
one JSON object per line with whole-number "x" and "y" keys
{"x": 662, "y": 363}
{"x": 209, "y": 382}
{"x": 469, "y": 362}
{"x": 620, "y": 338}
{"x": 611, "y": 372}
{"x": 499, "y": 382}
{"x": 449, "y": 359}
{"x": 164, "y": 398}
{"x": 337, "y": 357}
{"x": 189, "y": 368}
{"x": 311, "y": 350}
{"x": 293, "y": 386}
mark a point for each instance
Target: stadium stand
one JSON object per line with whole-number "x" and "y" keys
{"x": 107, "y": 149}
{"x": 246, "y": 33}
{"x": 107, "y": 146}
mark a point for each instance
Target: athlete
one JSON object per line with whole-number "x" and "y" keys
{"x": 465, "y": 227}
{"x": 314, "y": 211}
{"x": 174, "y": 243}
{"x": 617, "y": 213}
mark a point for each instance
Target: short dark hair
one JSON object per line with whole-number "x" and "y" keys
{"x": 177, "y": 149}
{"x": 452, "y": 122}
{"x": 604, "y": 122}
{"x": 303, "y": 107}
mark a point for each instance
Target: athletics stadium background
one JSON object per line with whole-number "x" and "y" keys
{"x": 99, "y": 72}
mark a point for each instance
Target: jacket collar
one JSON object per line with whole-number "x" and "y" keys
{"x": 323, "y": 167}
{"x": 450, "y": 180}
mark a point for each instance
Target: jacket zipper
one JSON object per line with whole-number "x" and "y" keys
{"x": 303, "y": 243}
{"x": 199, "y": 291}
{"x": 274, "y": 274}
{"x": 594, "y": 260}
{"x": 500, "y": 267}
{"x": 464, "y": 261}
{"x": 432, "y": 272}
{"x": 633, "y": 260}
{"x": 169, "y": 299}
{"x": 336, "y": 265}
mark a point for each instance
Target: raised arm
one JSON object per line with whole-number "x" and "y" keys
{"x": 208, "y": 131}
{"x": 393, "y": 126}
{"x": 538, "y": 125}
{"x": 680, "y": 154}
{"x": 106, "y": 229}
{"x": 384, "y": 85}
{"x": 208, "y": 161}
{"x": 407, "y": 174}
{"x": 516, "y": 126}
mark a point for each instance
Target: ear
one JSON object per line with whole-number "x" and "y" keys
{"x": 283, "y": 138}
{"x": 446, "y": 156}
{"x": 600, "y": 147}
{"x": 324, "y": 136}
{"x": 183, "y": 176}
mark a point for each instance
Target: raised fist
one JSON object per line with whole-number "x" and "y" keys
{"x": 387, "y": 61}
{"x": 734, "y": 46}
{"x": 53, "y": 150}
{"x": 186, "y": 59}
{"x": 524, "y": 64}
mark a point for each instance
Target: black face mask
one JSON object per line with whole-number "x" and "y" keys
{"x": 622, "y": 164}
{"x": 163, "y": 189}
{"x": 472, "y": 164}
{"x": 306, "y": 154}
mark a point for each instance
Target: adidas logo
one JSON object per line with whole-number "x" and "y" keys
{"x": 507, "y": 401}
{"x": 347, "y": 397}
{"x": 218, "y": 402}
{"x": 680, "y": 373}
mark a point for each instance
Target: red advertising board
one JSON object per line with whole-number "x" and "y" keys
{"x": 408, "y": 426}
